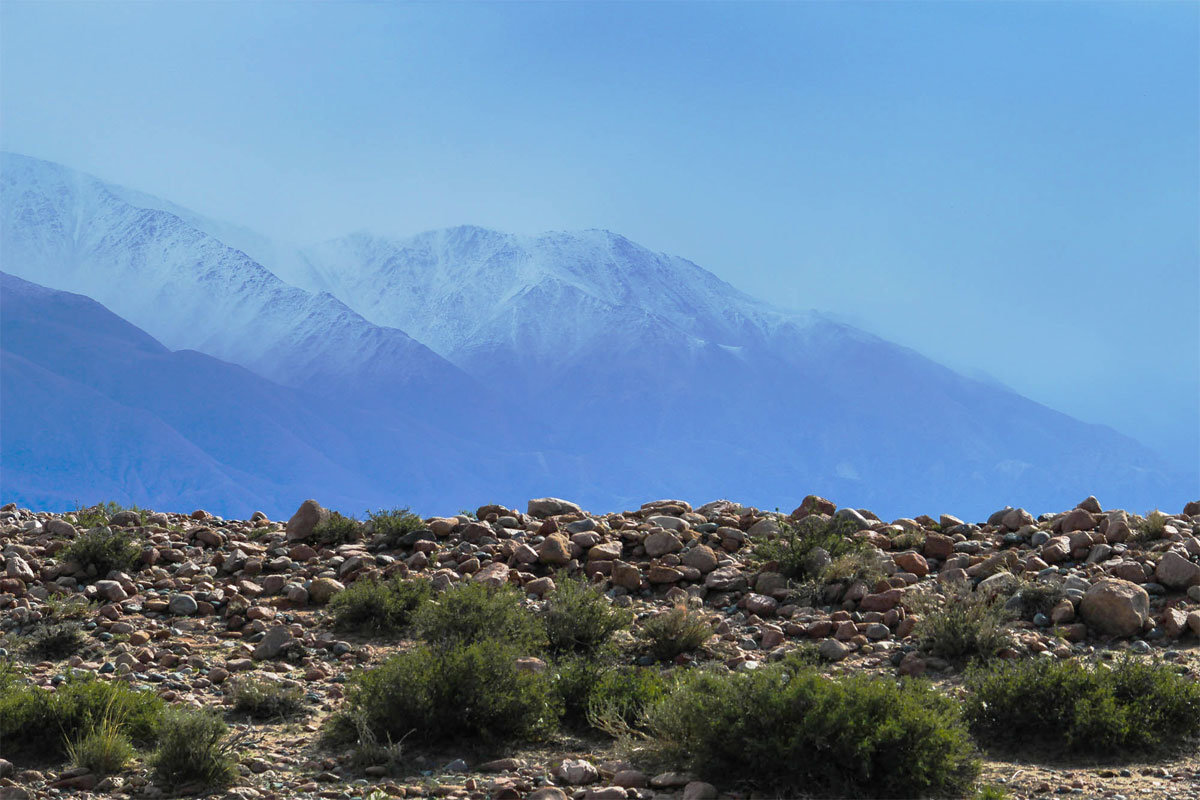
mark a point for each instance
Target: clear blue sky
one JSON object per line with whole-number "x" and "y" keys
{"x": 1010, "y": 187}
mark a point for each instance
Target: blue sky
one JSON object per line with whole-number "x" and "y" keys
{"x": 1011, "y": 188}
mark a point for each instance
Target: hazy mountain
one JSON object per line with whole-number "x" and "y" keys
{"x": 576, "y": 364}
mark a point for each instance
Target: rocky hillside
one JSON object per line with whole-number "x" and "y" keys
{"x": 194, "y": 609}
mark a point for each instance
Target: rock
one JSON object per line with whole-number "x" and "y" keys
{"x": 322, "y": 590}
{"x": 833, "y": 650}
{"x": 544, "y": 507}
{"x": 998, "y": 584}
{"x": 627, "y": 576}
{"x": 60, "y": 528}
{"x": 725, "y": 579}
{"x": 631, "y": 779}
{"x": 1078, "y": 520}
{"x": 881, "y": 601}
{"x": 1063, "y": 612}
{"x": 554, "y": 550}
{"x": 494, "y": 574}
{"x": 912, "y": 664}
{"x": 1091, "y": 505}
{"x": 1193, "y": 622}
{"x": 1016, "y": 519}
{"x": 660, "y": 543}
{"x": 18, "y": 568}
{"x": 671, "y": 780}
{"x": 813, "y": 505}
{"x": 761, "y": 605}
{"x": 938, "y": 546}
{"x": 540, "y": 587}
{"x": 605, "y": 793}
{"x": 1115, "y": 607}
{"x": 1174, "y": 622}
{"x": 1056, "y": 549}
{"x": 6, "y": 768}
{"x": 531, "y": 664}
{"x": 307, "y": 517}
{"x": 701, "y": 557}
{"x": 698, "y": 790}
{"x": 605, "y": 551}
{"x": 577, "y": 772}
{"x": 111, "y": 591}
{"x": 548, "y": 793}
{"x": 660, "y": 573}
{"x": 183, "y": 605}
{"x": 273, "y": 643}
{"x": 1176, "y": 572}
{"x": 912, "y": 562}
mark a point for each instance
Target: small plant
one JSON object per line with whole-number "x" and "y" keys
{"x": 862, "y": 566}
{"x": 473, "y": 612}
{"x": 780, "y": 727}
{"x": 379, "y": 606}
{"x": 395, "y": 524}
{"x": 55, "y": 642}
{"x": 580, "y": 619}
{"x": 677, "y": 631}
{"x": 1036, "y": 597}
{"x": 104, "y": 750}
{"x": 990, "y": 792}
{"x": 63, "y": 609}
{"x": 1153, "y": 526}
{"x": 336, "y": 530}
{"x": 963, "y": 625}
{"x": 192, "y": 749}
{"x": 618, "y": 701}
{"x": 472, "y": 692}
{"x": 805, "y": 549}
{"x": 101, "y": 551}
{"x": 1037, "y": 704}
{"x": 909, "y": 540}
{"x": 263, "y": 699}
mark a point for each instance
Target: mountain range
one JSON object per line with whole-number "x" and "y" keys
{"x": 152, "y": 355}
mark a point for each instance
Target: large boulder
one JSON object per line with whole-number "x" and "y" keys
{"x": 543, "y": 507}
{"x": 1115, "y": 607}
{"x": 1177, "y": 572}
{"x": 307, "y": 517}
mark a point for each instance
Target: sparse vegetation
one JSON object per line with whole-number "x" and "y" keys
{"x": 381, "y": 606}
{"x": 807, "y": 548}
{"x": 674, "y": 632}
{"x": 105, "y": 749}
{"x": 1040, "y": 705}
{"x": 394, "y": 525}
{"x": 55, "y": 641}
{"x": 336, "y": 530}
{"x": 193, "y": 749}
{"x": 102, "y": 551}
{"x": 264, "y": 699}
{"x": 782, "y": 727}
{"x": 963, "y": 625}
{"x": 579, "y": 618}
{"x": 101, "y": 514}
{"x": 909, "y": 540}
{"x": 1153, "y": 526}
{"x": 618, "y": 701}
{"x": 459, "y": 692}
{"x": 1034, "y": 597}
{"x": 473, "y": 612}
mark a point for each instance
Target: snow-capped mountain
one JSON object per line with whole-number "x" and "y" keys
{"x": 574, "y": 364}
{"x": 69, "y": 231}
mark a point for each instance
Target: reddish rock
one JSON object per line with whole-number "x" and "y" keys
{"x": 938, "y": 546}
{"x": 912, "y": 562}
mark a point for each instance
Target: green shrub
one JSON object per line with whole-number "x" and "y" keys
{"x": 789, "y": 730}
{"x": 963, "y": 625}
{"x": 618, "y": 701}
{"x": 101, "y": 551}
{"x": 193, "y": 750}
{"x": 474, "y": 612}
{"x": 1034, "y": 704}
{"x": 54, "y": 642}
{"x": 579, "y": 618}
{"x": 336, "y": 530}
{"x": 1036, "y": 597}
{"x": 103, "y": 750}
{"x": 465, "y": 692}
{"x": 63, "y": 609}
{"x": 263, "y": 699}
{"x": 574, "y": 677}
{"x": 863, "y": 565}
{"x": 39, "y": 723}
{"x": 98, "y": 516}
{"x": 379, "y": 606}
{"x": 395, "y": 524}
{"x": 1152, "y": 527}
{"x": 909, "y": 540}
{"x": 798, "y": 548}
{"x": 673, "y": 632}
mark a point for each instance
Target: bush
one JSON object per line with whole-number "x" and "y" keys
{"x": 805, "y": 549}
{"x": 463, "y": 692}
{"x": 101, "y": 551}
{"x": 963, "y": 625}
{"x": 103, "y": 750}
{"x": 1102, "y": 711}
{"x": 790, "y": 730}
{"x": 673, "y": 632}
{"x": 54, "y": 642}
{"x": 379, "y": 606}
{"x": 1034, "y": 598}
{"x": 1153, "y": 526}
{"x": 336, "y": 530}
{"x": 473, "y": 612}
{"x": 62, "y": 609}
{"x": 394, "y": 525}
{"x": 909, "y": 540}
{"x": 38, "y": 723}
{"x": 618, "y": 701}
{"x": 580, "y": 619}
{"x": 99, "y": 515}
{"x": 263, "y": 699}
{"x": 192, "y": 749}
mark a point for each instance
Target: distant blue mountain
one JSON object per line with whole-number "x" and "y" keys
{"x": 468, "y": 366}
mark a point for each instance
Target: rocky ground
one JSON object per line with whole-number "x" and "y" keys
{"x": 215, "y": 599}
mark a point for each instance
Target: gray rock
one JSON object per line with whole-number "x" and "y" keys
{"x": 1115, "y": 607}
{"x": 833, "y": 650}
{"x": 273, "y": 643}
{"x": 551, "y": 506}
{"x": 183, "y": 605}
{"x": 307, "y": 517}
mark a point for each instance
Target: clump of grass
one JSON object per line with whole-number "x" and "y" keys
{"x": 1040, "y": 705}
{"x": 1036, "y": 597}
{"x": 64, "y": 609}
{"x": 909, "y": 540}
{"x": 1153, "y": 526}
{"x": 474, "y": 612}
{"x": 336, "y": 530}
{"x": 847, "y": 568}
{"x": 579, "y": 619}
{"x": 263, "y": 699}
{"x": 38, "y": 724}
{"x": 379, "y": 606}
{"x": 395, "y": 524}
{"x": 805, "y": 549}
{"x": 618, "y": 701}
{"x": 963, "y": 625}
{"x": 787, "y": 726}
{"x": 55, "y": 642}
{"x": 457, "y": 693}
{"x": 101, "y": 551}
{"x": 675, "y": 632}
{"x": 193, "y": 749}
{"x": 103, "y": 750}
